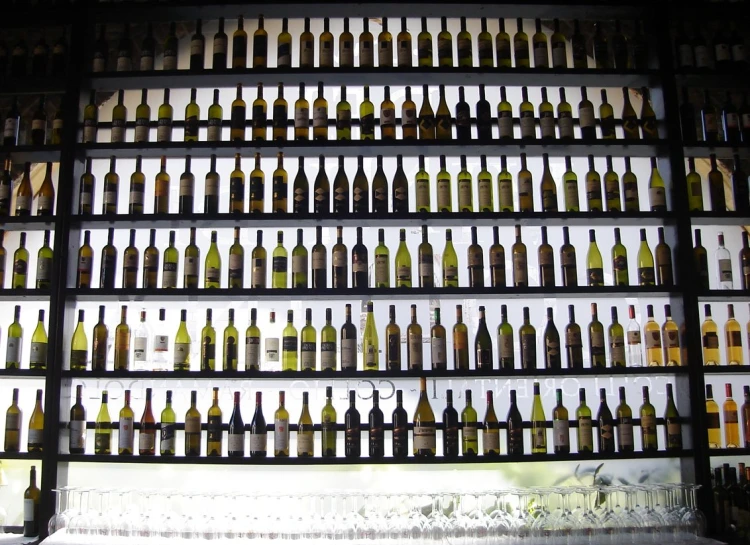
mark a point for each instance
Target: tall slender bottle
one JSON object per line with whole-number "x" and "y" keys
{"x": 538, "y": 424}
{"x": 424, "y": 439}
{"x": 258, "y": 432}
{"x": 469, "y": 436}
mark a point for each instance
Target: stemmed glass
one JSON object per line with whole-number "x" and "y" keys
{"x": 693, "y": 520}
{"x": 59, "y": 520}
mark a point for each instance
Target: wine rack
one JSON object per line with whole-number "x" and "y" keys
{"x": 661, "y": 74}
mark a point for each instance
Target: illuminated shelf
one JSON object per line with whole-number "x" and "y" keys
{"x": 371, "y": 148}
{"x": 32, "y": 154}
{"x": 720, "y": 218}
{"x": 23, "y": 373}
{"x": 27, "y": 223}
{"x": 605, "y": 292}
{"x": 24, "y": 295}
{"x": 730, "y": 296}
{"x": 365, "y": 460}
{"x": 292, "y": 77}
{"x": 391, "y": 219}
{"x": 365, "y": 375}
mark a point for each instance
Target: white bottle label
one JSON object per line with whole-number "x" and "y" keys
{"x": 146, "y": 441}
{"x": 505, "y": 124}
{"x": 13, "y": 350}
{"x": 252, "y": 352}
{"x": 348, "y": 353}
{"x": 424, "y": 437}
{"x": 140, "y": 348}
{"x": 28, "y": 510}
{"x": 586, "y": 117}
{"x": 547, "y": 123}
{"x": 585, "y": 431}
{"x": 44, "y": 269}
{"x": 561, "y": 433}
{"x": 725, "y": 270}
{"x": 280, "y": 434}
{"x": 77, "y": 434}
{"x": 328, "y": 355}
{"x": 36, "y": 437}
{"x": 126, "y": 434}
{"x": 415, "y": 351}
{"x": 528, "y": 126}
{"x": 702, "y": 59}
{"x": 272, "y": 349}
{"x": 305, "y": 442}
{"x": 439, "y": 360}
{"x": 258, "y": 442}
{"x": 464, "y": 194}
{"x": 301, "y": 118}
{"x": 490, "y": 441}
{"x": 299, "y": 264}
{"x": 161, "y": 343}
{"x": 658, "y": 196}
{"x": 470, "y": 433}
{"x": 181, "y": 352}
{"x": 381, "y": 269}
{"x": 9, "y": 129}
{"x": 164, "y": 132}
{"x": 236, "y": 442}
{"x": 191, "y": 266}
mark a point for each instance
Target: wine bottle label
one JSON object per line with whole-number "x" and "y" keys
{"x": 213, "y": 429}
{"x": 346, "y": 53}
{"x": 181, "y": 353}
{"x": 77, "y": 434}
{"x": 505, "y": 346}
{"x": 36, "y": 438}
{"x": 5, "y": 194}
{"x": 118, "y": 130}
{"x": 710, "y": 122}
{"x": 348, "y": 353}
{"x": 394, "y": 349}
{"x": 38, "y": 355}
{"x": 415, "y": 351}
{"x": 595, "y": 276}
{"x": 593, "y": 189}
{"x": 301, "y": 118}
{"x": 547, "y": 124}
{"x": 426, "y": 268}
{"x": 12, "y": 422}
{"x": 403, "y": 273}
{"x": 648, "y": 425}
{"x": 258, "y": 442}
{"x": 236, "y": 442}
{"x": 343, "y": 119}
{"x": 465, "y": 196}
{"x": 538, "y": 434}
{"x": 617, "y": 349}
{"x": 625, "y": 432}
{"x": 170, "y": 59}
{"x": 713, "y": 422}
{"x": 327, "y": 355}
{"x": 29, "y": 509}
{"x": 284, "y": 54}
{"x": 214, "y": 130}
{"x": 586, "y": 117}
{"x": 13, "y": 350}
{"x": 125, "y": 437}
{"x": 10, "y": 128}
{"x": 44, "y": 269}
{"x": 450, "y": 274}
{"x": 469, "y": 432}
{"x": 438, "y": 353}
{"x": 403, "y": 52}
{"x": 528, "y": 350}
{"x": 187, "y": 186}
{"x": 553, "y": 348}
{"x": 723, "y": 52}
{"x": 634, "y": 337}
{"x": 358, "y": 264}
{"x": 259, "y": 273}
{"x": 561, "y": 433}
{"x": 99, "y": 62}
{"x": 606, "y": 431}
{"x": 528, "y": 125}
{"x": 541, "y": 55}
{"x": 685, "y": 54}
{"x": 279, "y": 264}
{"x": 745, "y": 121}
{"x": 146, "y": 440}
{"x": 520, "y": 269}
{"x": 140, "y": 348}
{"x": 192, "y": 424}
{"x": 585, "y": 432}
{"x": 146, "y": 61}
{"x": 164, "y": 130}
{"x": 444, "y": 196}
{"x": 424, "y": 437}
{"x": 657, "y": 196}
{"x": 725, "y": 270}
{"x": 281, "y": 434}
{"x": 597, "y": 342}
{"x": 424, "y": 48}
{"x": 305, "y": 442}
{"x": 505, "y": 195}
{"x": 732, "y": 121}
{"x": 23, "y": 203}
{"x": 565, "y": 124}
{"x": 646, "y": 276}
{"x": 78, "y": 358}
{"x": 307, "y": 53}
{"x": 271, "y": 350}
{"x": 730, "y": 417}
{"x": 141, "y": 129}
{"x": 326, "y": 53}
{"x": 320, "y": 117}
{"x": 308, "y": 351}
{"x": 490, "y": 441}
{"x": 674, "y": 433}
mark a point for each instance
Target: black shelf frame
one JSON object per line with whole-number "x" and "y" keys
{"x": 724, "y": 452}
{"x": 80, "y": 19}
{"x": 368, "y": 375}
{"x": 28, "y": 223}
{"x": 31, "y": 456}
{"x": 280, "y": 294}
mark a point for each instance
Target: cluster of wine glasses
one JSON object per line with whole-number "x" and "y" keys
{"x": 572, "y": 515}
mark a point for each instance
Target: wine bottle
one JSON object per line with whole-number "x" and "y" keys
{"x": 370, "y": 346}
{"x": 359, "y": 263}
{"x": 236, "y": 435}
{"x": 400, "y": 435}
{"x": 31, "y": 503}
{"x": 306, "y": 47}
{"x": 168, "y": 424}
{"x": 424, "y": 440}
{"x": 505, "y": 341}
{"x": 635, "y": 353}
{"x": 192, "y": 262}
{"x": 79, "y": 346}
{"x": 197, "y": 48}
{"x": 515, "y": 427}
{"x": 171, "y": 49}
{"x": 182, "y": 345}
{"x": 328, "y": 426}
{"x": 671, "y": 339}
{"x": 147, "y": 433}
{"x": 649, "y": 440}
{"x": 624, "y": 425}
{"x": 24, "y": 194}
{"x": 214, "y": 431}
{"x": 77, "y": 424}
{"x": 393, "y": 342}
{"x": 663, "y": 256}
{"x": 238, "y": 117}
{"x": 90, "y": 122}
{"x": 382, "y": 262}
{"x": 594, "y": 268}
{"x": 414, "y": 357}
{"x": 165, "y": 116}
{"x": 215, "y": 119}
{"x": 151, "y": 263}
{"x": 260, "y": 45}
{"x": 284, "y": 46}
{"x": 108, "y": 262}
{"x": 538, "y": 424}
{"x": 656, "y": 190}
{"x": 352, "y": 429}
{"x": 305, "y": 433}
{"x": 616, "y": 338}
{"x": 607, "y": 118}
{"x": 400, "y": 196}
{"x": 527, "y": 341}
{"x": 469, "y": 436}
{"x": 376, "y": 432}
{"x": 593, "y": 188}
{"x": 341, "y": 190}
{"x": 320, "y": 115}
{"x": 497, "y": 260}
{"x": 548, "y": 188}
{"x": 258, "y": 260}
{"x": 86, "y": 191}
{"x": 366, "y": 114}
{"x": 568, "y": 265}
{"x": 620, "y": 275}
{"x": 629, "y": 117}
{"x": 724, "y": 265}
{"x": 673, "y": 427}
{"x": 584, "y": 434}
{"x": 339, "y": 261}
{"x": 475, "y": 259}
{"x": 573, "y": 341}
{"x": 280, "y": 115}
{"x": 612, "y": 188}
{"x": 230, "y": 345}
{"x": 20, "y": 276}
{"x": 99, "y": 345}
{"x": 281, "y": 428}
{"x": 119, "y": 118}
{"x": 443, "y": 128}
{"x": 565, "y": 116}
{"x": 525, "y": 188}
{"x": 122, "y": 342}
{"x": 13, "y": 418}
{"x": 713, "y": 421}
{"x": 289, "y": 344}
{"x": 236, "y": 269}
{"x": 700, "y": 257}
{"x": 606, "y": 425}
{"x": 258, "y": 431}
{"x": 463, "y": 118}
{"x": 483, "y": 343}
{"x": 403, "y": 46}
{"x": 171, "y": 264}
{"x": 733, "y": 336}
{"x": 560, "y": 426}
{"x": 546, "y": 117}
{"x": 646, "y": 274}
{"x": 586, "y": 118}
{"x": 745, "y": 416}
{"x": 193, "y": 427}
{"x": 520, "y": 264}
{"x": 279, "y": 263}
{"x": 328, "y": 349}
{"x": 349, "y": 342}
{"x": 426, "y": 115}
{"x": 326, "y": 46}
{"x": 308, "y": 344}
{"x": 552, "y": 357}
{"x": 403, "y": 263}
{"x": 319, "y": 261}
{"x": 35, "y": 441}
{"x": 491, "y": 429}
{"x": 731, "y": 421}
{"x": 126, "y": 430}
{"x": 596, "y": 340}
{"x": 546, "y": 262}
{"x": 379, "y": 189}
{"x": 252, "y": 343}
{"x": 130, "y": 259}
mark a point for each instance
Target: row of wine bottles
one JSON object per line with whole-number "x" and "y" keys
{"x": 43, "y": 61}
{"x": 362, "y": 197}
{"x": 650, "y": 272}
{"x": 25, "y": 194}
{"x": 306, "y": 350}
{"x": 735, "y": 122}
{"x": 37, "y": 133}
{"x": 731, "y": 499}
{"x": 460, "y": 437}
{"x": 717, "y": 187}
{"x": 731, "y": 419}
{"x": 611, "y": 49}
{"x": 20, "y": 265}
{"x": 425, "y": 125}
{"x": 725, "y": 50}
